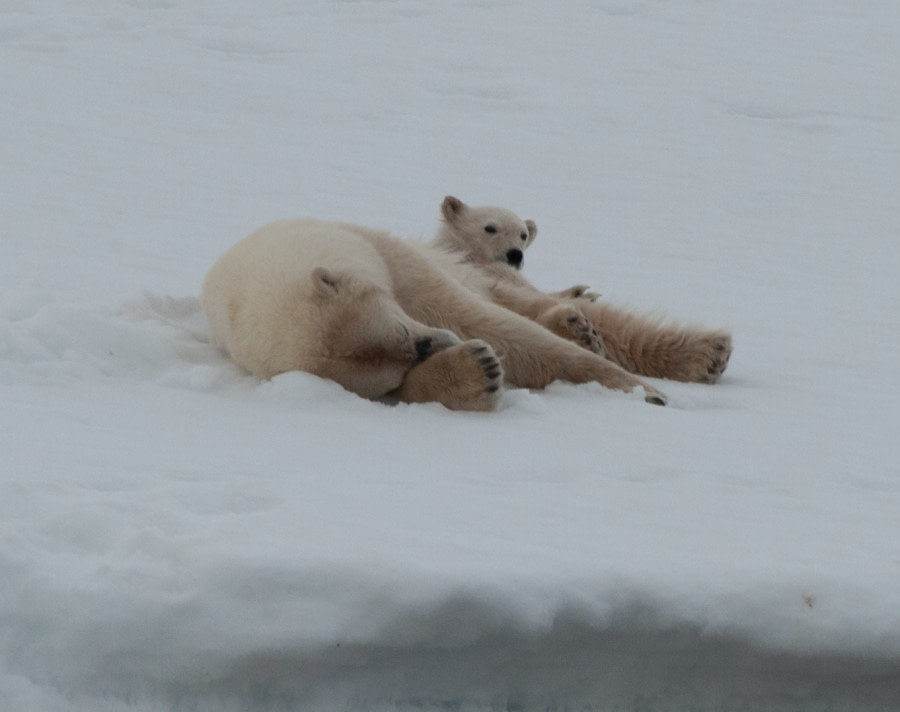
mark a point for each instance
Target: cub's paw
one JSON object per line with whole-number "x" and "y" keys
{"x": 467, "y": 376}
{"x": 579, "y": 291}
{"x": 567, "y": 321}
{"x": 718, "y": 362}
{"x": 708, "y": 357}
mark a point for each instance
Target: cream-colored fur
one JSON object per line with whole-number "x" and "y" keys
{"x": 384, "y": 318}
{"x": 285, "y": 299}
{"x": 641, "y": 345}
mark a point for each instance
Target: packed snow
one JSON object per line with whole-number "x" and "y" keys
{"x": 177, "y": 535}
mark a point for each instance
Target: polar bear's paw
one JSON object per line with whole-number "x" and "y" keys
{"x": 568, "y": 321}
{"x": 702, "y": 358}
{"x": 714, "y": 350}
{"x": 467, "y": 376}
{"x": 487, "y": 360}
{"x": 579, "y": 291}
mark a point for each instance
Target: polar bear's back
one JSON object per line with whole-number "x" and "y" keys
{"x": 257, "y": 296}
{"x": 288, "y": 250}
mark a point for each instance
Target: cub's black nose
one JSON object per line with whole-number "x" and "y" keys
{"x": 515, "y": 257}
{"x": 423, "y": 347}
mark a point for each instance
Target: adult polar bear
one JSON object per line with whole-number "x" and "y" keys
{"x": 386, "y": 318}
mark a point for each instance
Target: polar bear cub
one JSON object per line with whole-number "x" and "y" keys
{"x": 642, "y": 345}
{"x": 384, "y": 318}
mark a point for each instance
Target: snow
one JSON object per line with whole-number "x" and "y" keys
{"x": 175, "y": 535}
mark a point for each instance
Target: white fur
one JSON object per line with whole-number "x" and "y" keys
{"x": 363, "y": 308}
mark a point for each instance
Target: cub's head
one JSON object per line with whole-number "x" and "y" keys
{"x": 485, "y": 234}
{"x": 363, "y": 339}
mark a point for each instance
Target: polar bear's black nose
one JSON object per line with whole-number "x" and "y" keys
{"x": 423, "y": 347}
{"x": 515, "y": 257}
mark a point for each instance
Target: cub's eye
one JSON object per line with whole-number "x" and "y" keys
{"x": 524, "y": 235}
{"x": 490, "y": 229}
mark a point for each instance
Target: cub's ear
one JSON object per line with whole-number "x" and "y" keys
{"x": 452, "y": 207}
{"x": 532, "y": 231}
{"x": 325, "y": 283}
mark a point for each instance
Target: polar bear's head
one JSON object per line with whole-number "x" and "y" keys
{"x": 363, "y": 339}
{"x": 485, "y": 234}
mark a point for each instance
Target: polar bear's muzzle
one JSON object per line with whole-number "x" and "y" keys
{"x": 423, "y": 348}
{"x": 515, "y": 257}
{"x": 437, "y": 340}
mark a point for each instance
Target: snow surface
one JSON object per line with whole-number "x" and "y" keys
{"x": 175, "y": 535}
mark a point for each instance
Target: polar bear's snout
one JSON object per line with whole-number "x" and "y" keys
{"x": 423, "y": 348}
{"x": 437, "y": 340}
{"x": 515, "y": 257}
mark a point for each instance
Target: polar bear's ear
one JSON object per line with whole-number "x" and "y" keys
{"x": 324, "y": 282}
{"x": 452, "y": 207}
{"x": 532, "y": 231}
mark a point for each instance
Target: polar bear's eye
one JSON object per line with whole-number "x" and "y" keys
{"x": 524, "y": 235}
{"x": 490, "y": 229}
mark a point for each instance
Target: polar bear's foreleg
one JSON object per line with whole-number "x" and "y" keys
{"x": 467, "y": 376}
{"x": 532, "y": 356}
